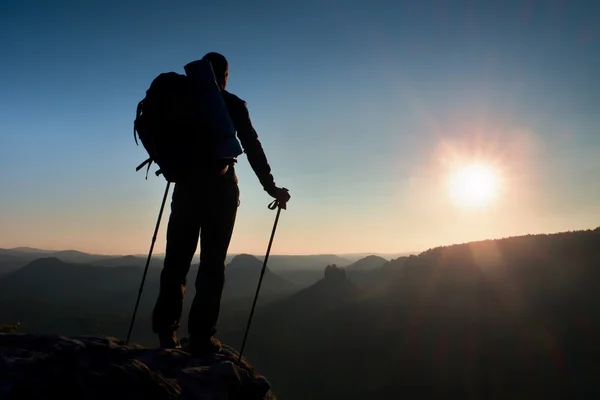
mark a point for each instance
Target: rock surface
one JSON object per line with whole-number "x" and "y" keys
{"x": 335, "y": 274}
{"x": 51, "y": 366}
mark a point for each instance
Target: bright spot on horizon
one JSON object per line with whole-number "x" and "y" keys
{"x": 474, "y": 185}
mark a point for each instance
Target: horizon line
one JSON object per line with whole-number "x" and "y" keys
{"x": 402, "y": 253}
{"x": 48, "y": 250}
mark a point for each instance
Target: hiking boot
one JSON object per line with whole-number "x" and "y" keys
{"x": 168, "y": 340}
{"x": 204, "y": 347}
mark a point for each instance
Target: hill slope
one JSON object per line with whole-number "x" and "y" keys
{"x": 367, "y": 264}
{"x": 50, "y": 295}
{"x": 243, "y": 273}
{"x": 499, "y": 318}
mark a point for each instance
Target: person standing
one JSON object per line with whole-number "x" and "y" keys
{"x": 205, "y": 207}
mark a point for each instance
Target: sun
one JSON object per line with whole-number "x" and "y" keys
{"x": 474, "y": 185}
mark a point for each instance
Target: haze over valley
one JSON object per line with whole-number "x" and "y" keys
{"x": 517, "y": 313}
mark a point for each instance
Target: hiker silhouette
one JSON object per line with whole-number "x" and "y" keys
{"x": 204, "y": 206}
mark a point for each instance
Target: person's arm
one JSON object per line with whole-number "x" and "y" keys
{"x": 250, "y": 142}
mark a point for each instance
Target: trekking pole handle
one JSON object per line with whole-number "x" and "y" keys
{"x": 276, "y": 204}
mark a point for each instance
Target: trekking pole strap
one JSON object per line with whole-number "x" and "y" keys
{"x": 274, "y": 204}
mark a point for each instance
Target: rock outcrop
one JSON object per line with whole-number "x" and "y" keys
{"x": 335, "y": 274}
{"x": 94, "y": 368}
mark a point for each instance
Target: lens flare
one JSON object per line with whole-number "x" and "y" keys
{"x": 474, "y": 185}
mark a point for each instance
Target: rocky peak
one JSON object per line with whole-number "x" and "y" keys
{"x": 94, "y": 368}
{"x": 335, "y": 274}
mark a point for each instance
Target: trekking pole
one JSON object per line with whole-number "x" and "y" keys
{"x": 137, "y": 303}
{"x": 272, "y": 206}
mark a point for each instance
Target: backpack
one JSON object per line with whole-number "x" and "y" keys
{"x": 169, "y": 124}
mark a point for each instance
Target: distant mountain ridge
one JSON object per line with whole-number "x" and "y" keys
{"x": 48, "y": 293}
{"x": 367, "y": 263}
{"x": 14, "y": 258}
{"x": 495, "y": 318}
{"x": 20, "y": 256}
{"x": 276, "y": 261}
{"x": 243, "y": 273}
{"x": 25, "y": 249}
{"x": 353, "y": 257}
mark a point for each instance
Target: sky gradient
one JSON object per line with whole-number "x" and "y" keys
{"x": 363, "y": 108}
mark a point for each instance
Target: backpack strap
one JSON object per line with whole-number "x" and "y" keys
{"x": 147, "y": 161}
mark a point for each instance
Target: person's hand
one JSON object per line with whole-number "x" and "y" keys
{"x": 282, "y": 195}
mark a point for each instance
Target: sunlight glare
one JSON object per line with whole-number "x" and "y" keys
{"x": 474, "y": 185}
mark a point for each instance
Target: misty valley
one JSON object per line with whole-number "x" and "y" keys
{"x": 513, "y": 317}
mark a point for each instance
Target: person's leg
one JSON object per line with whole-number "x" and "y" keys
{"x": 182, "y": 240}
{"x": 217, "y": 223}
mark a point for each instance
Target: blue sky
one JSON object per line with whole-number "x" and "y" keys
{"x": 363, "y": 108}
